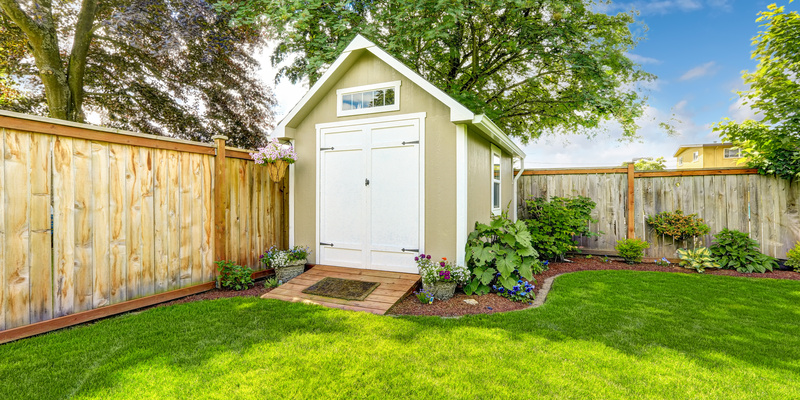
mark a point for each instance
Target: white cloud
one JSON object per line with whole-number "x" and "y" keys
{"x": 662, "y": 7}
{"x": 707, "y": 69}
{"x": 740, "y": 112}
{"x": 286, "y": 93}
{"x": 642, "y": 59}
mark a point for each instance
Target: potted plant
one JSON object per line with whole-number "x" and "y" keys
{"x": 286, "y": 263}
{"x": 440, "y": 278}
{"x": 276, "y": 157}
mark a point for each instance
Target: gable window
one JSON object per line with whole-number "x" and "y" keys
{"x": 496, "y": 180}
{"x": 367, "y": 99}
{"x": 695, "y": 156}
{"x": 680, "y": 161}
{"x": 733, "y": 153}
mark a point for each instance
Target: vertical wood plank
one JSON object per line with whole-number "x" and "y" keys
{"x": 17, "y": 244}
{"x": 173, "y": 222}
{"x": 147, "y": 286}
{"x": 244, "y": 213}
{"x": 3, "y": 290}
{"x": 220, "y": 189}
{"x": 84, "y": 274}
{"x": 101, "y": 240}
{"x": 631, "y": 203}
{"x": 63, "y": 226}
{"x": 207, "y": 247}
{"x": 254, "y": 213}
{"x": 233, "y": 205}
{"x": 160, "y": 220}
{"x": 197, "y": 217}
{"x": 185, "y": 219}
{"x": 118, "y": 211}
{"x": 40, "y": 248}
{"x": 133, "y": 186}
{"x": 753, "y": 196}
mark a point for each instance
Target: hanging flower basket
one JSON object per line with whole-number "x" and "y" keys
{"x": 277, "y": 170}
{"x": 276, "y": 157}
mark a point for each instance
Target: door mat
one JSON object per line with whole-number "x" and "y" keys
{"x": 346, "y": 289}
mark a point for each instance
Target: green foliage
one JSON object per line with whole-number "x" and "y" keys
{"x": 488, "y": 55}
{"x": 440, "y": 271}
{"x": 270, "y": 283}
{"x": 736, "y": 250}
{"x": 793, "y": 257}
{"x": 424, "y": 296}
{"x": 773, "y": 144}
{"x": 500, "y": 254}
{"x": 522, "y": 291}
{"x": 678, "y": 226}
{"x": 632, "y": 250}
{"x": 233, "y": 276}
{"x": 698, "y": 259}
{"x": 553, "y": 224}
{"x": 648, "y": 164}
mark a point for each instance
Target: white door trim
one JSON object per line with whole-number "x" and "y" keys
{"x": 420, "y": 117}
{"x": 462, "y": 176}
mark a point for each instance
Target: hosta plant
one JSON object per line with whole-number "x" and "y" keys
{"x": 677, "y": 225}
{"x": 793, "y": 257}
{"x": 698, "y": 259}
{"x": 736, "y": 250}
{"x": 499, "y": 255}
{"x": 632, "y": 250}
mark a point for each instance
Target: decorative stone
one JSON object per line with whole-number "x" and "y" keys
{"x": 471, "y": 302}
{"x": 440, "y": 290}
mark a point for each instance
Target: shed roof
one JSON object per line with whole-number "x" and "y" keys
{"x": 458, "y": 112}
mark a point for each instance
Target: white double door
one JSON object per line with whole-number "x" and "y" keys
{"x": 370, "y": 195}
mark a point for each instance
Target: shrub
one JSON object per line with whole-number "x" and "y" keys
{"x": 698, "y": 259}
{"x": 632, "y": 250}
{"x": 499, "y": 255}
{"x": 793, "y": 257}
{"x": 440, "y": 271}
{"x": 233, "y": 276}
{"x": 736, "y": 250}
{"x": 678, "y": 226}
{"x": 553, "y": 224}
{"x": 272, "y": 283}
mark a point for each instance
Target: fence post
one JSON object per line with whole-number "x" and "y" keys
{"x": 220, "y": 199}
{"x": 631, "y": 211}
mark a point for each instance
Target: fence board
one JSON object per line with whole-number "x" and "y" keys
{"x": 160, "y": 220}
{"x": 101, "y": 244}
{"x": 196, "y": 217}
{"x": 133, "y": 187}
{"x": 118, "y": 210}
{"x": 17, "y": 252}
{"x": 41, "y": 275}
{"x": 207, "y": 247}
{"x": 148, "y": 222}
{"x": 173, "y": 223}
{"x": 3, "y": 205}
{"x": 63, "y": 227}
{"x": 186, "y": 205}
{"x": 82, "y": 168}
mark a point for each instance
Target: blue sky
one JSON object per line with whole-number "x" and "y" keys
{"x": 697, "y": 48}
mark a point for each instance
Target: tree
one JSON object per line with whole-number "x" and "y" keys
{"x": 773, "y": 144}
{"x": 648, "y": 164}
{"x": 168, "y": 67}
{"x": 531, "y": 66}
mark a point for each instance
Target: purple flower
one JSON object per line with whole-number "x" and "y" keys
{"x": 416, "y": 258}
{"x": 441, "y": 263}
{"x": 428, "y": 257}
{"x": 422, "y": 255}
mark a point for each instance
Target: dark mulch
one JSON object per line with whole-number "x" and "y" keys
{"x": 456, "y": 306}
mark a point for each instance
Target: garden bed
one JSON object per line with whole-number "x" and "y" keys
{"x": 493, "y": 303}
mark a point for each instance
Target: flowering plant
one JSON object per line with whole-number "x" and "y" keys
{"x": 440, "y": 271}
{"x": 424, "y": 297}
{"x": 663, "y": 262}
{"x": 274, "y": 151}
{"x": 522, "y": 291}
{"x": 275, "y": 257}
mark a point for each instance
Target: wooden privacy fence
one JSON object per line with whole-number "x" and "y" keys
{"x": 103, "y": 220}
{"x": 763, "y": 206}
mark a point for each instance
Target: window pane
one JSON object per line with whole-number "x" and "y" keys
{"x": 378, "y": 101}
{"x": 347, "y": 102}
{"x": 496, "y": 172}
{"x": 389, "y": 100}
{"x": 367, "y": 98}
{"x": 496, "y": 195}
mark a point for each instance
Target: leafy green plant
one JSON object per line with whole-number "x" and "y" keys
{"x": 663, "y": 262}
{"x": 522, "y": 291}
{"x": 275, "y": 257}
{"x": 554, "y": 224}
{"x": 273, "y": 282}
{"x": 793, "y": 257}
{"x": 632, "y": 250}
{"x": 736, "y": 250}
{"x": 440, "y": 271}
{"x": 677, "y": 225}
{"x": 424, "y": 296}
{"x": 698, "y": 259}
{"x": 233, "y": 276}
{"x": 499, "y": 255}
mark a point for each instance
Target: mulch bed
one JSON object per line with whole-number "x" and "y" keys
{"x": 493, "y": 303}
{"x": 256, "y": 291}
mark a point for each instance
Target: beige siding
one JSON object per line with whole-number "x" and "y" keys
{"x": 440, "y": 155}
{"x": 479, "y": 159}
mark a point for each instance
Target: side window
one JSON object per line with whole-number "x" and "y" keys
{"x": 680, "y": 161}
{"x": 695, "y": 156}
{"x": 496, "y": 180}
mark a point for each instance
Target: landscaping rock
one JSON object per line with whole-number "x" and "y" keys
{"x": 471, "y": 302}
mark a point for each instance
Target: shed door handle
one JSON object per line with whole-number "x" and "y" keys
{"x": 325, "y": 244}
{"x": 405, "y": 250}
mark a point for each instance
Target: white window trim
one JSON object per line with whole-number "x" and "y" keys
{"x": 680, "y": 161}
{"x": 695, "y": 156}
{"x": 385, "y": 85}
{"x": 495, "y": 151}
{"x": 738, "y": 153}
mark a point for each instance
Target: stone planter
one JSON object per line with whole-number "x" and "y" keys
{"x": 287, "y": 272}
{"x": 440, "y": 290}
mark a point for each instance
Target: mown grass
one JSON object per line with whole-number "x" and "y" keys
{"x": 601, "y": 334}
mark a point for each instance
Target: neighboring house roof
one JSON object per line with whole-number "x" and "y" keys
{"x": 690, "y": 146}
{"x": 458, "y": 112}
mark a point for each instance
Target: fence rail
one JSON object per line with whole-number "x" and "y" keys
{"x": 735, "y": 198}
{"x": 92, "y": 218}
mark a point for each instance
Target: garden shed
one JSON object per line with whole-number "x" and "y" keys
{"x": 390, "y": 166}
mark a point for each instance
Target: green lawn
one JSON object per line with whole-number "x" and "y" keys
{"x": 601, "y": 334}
